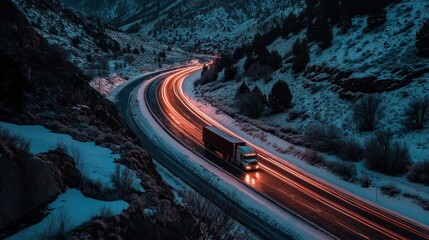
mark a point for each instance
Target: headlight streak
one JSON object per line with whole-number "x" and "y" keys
{"x": 189, "y": 129}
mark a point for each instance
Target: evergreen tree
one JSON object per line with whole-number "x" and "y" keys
{"x": 250, "y": 60}
{"x": 243, "y": 89}
{"x": 422, "y": 39}
{"x": 320, "y": 31}
{"x": 280, "y": 97}
{"x": 252, "y": 103}
{"x": 230, "y": 73}
{"x": 275, "y": 60}
{"x": 301, "y": 55}
{"x": 136, "y": 51}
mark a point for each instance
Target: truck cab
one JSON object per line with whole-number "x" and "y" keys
{"x": 247, "y": 158}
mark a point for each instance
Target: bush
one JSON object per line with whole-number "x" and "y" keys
{"x": 58, "y": 226}
{"x": 280, "y": 96}
{"x": 390, "y": 190}
{"x": 242, "y": 90}
{"x": 422, "y": 39}
{"x": 230, "y": 73}
{"x": 350, "y": 149}
{"x": 323, "y": 137}
{"x": 103, "y": 212}
{"x": 384, "y": 155}
{"x": 207, "y": 220}
{"x": 417, "y": 113}
{"x": 122, "y": 179}
{"x": 301, "y": 55}
{"x": 365, "y": 181}
{"x": 208, "y": 76}
{"x": 345, "y": 170}
{"x": 367, "y": 112}
{"x": 252, "y": 103}
{"x": 419, "y": 172}
{"x": 314, "y": 158}
{"x": 320, "y": 31}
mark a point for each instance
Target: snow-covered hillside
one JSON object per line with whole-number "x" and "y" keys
{"x": 206, "y": 26}
{"x": 385, "y": 55}
{"x": 98, "y": 49}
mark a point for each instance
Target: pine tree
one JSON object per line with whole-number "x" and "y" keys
{"x": 275, "y": 60}
{"x": 301, "y": 55}
{"x": 243, "y": 89}
{"x": 257, "y": 93}
{"x": 320, "y": 31}
{"x": 280, "y": 97}
{"x": 422, "y": 39}
{"x": 230, "y": 73}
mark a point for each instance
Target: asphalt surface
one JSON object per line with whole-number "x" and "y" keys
{"x": 338, "y": 213}
{"x": 242, "y": 215}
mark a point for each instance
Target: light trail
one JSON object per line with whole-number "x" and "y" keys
{"x": 175, "y": 102}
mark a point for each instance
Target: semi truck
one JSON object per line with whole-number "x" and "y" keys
{"x": 231, "y": 148}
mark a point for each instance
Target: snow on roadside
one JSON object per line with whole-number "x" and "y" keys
{"x": 114, "y": 89}
{"x": 74, "y": 208}
{"x": 97, "y": 162}
{"x": 401, "y": 205}
{"x": 176, "y": 183}
{"x": 180, "y": 187}
{"x": 220, "y": 179}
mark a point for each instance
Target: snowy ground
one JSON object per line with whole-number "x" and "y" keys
{"x": 96, "y": 162}
{"x": 402, "y": 205}
{"x": 228, "y": 184}
{"x": 72, "y": 209}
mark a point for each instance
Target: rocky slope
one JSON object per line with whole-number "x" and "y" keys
{"x": 207, "y": 26}
{"x": 40, "y": 86}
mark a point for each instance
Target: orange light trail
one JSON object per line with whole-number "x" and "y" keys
{"x": 171, "y": 106}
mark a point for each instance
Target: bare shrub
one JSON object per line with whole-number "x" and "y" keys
{"x": 350, "y": 149}
{"x": 314, "y": 158}
{"x": 20, "y": 144}
{"x": 365, "y": 181}
{"x": 208, "y": 76}
{"x": 122, "y": 179}
{"x": 252, "y": 103}
{"x": 367, "y": 112}
{"x": 103, "y": 212}
{"x": 57, "y": 227}
{"x": 343, "y": 169}
{"x": 74, "y": 152}
{"x": 417, "y": 113}
{"x": 385, "y": 155}
{"x": 62, "y": 146}
{"x": 419, "y": 172}
{"x": 323, "y": 137}
{"x": 390, "y": 190}
{"x": 208, "y": 221}
{"x": 424, "y": 203}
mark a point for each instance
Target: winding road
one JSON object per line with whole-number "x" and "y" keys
{"x": 339, "y": 213}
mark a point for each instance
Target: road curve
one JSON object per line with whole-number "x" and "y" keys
{"x": 339, "y": 213}
{"x": 243, "y": 215}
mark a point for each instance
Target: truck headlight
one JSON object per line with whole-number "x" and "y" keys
{"x": 247, "y": 167}
{"x": 257, "y": 166}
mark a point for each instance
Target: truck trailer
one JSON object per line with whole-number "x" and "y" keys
{"x": 231, "y": 148}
